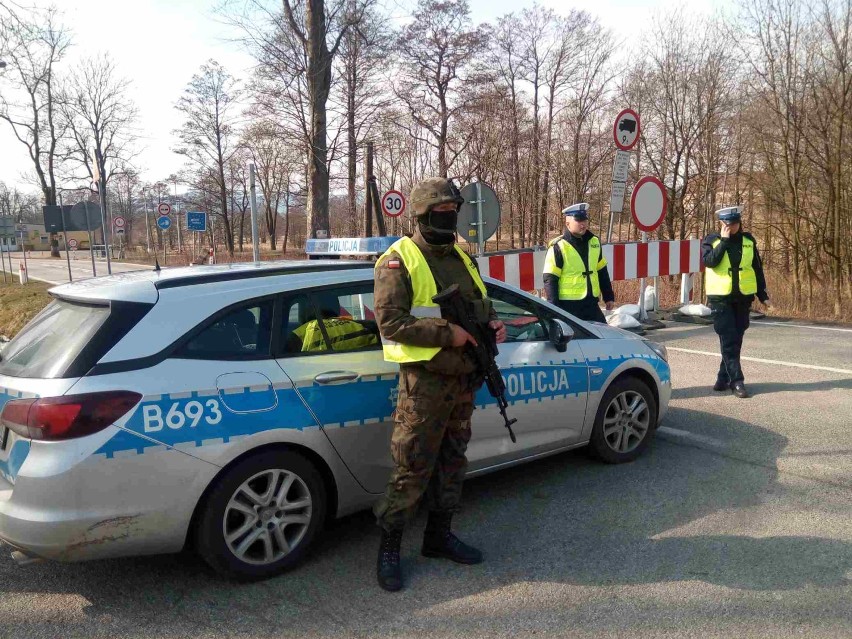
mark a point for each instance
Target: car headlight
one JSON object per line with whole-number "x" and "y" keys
{"x": 661, "y": 351}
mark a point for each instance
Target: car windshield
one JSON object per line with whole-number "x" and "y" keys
{"x": 52, "y": 340}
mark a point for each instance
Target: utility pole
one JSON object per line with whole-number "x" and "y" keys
{"x": 177, "y": 217}
{"x": 255, "y": 248}
{"x": 101, "y": 180}
{"x": 368, "y": 203}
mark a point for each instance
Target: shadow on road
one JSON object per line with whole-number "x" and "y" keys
{"x": 563, "y": 521}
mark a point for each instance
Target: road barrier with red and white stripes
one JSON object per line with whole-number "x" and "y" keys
{"x": 627, "y": 261}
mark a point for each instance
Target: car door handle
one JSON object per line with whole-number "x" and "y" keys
{"x": 333, "y": 377}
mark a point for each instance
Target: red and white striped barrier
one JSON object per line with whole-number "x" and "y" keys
{"x": 625, "y": 262}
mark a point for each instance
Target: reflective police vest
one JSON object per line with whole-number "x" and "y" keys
{"x": 344, "y": 333}
{"x": 572, "y": 276}
{"x": 424, "y": 288}
{"x": 719, "y": 280}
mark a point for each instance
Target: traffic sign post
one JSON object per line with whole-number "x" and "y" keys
{"x": 648, "y": 208}
{"x": 164, "y": 208}
{"x": 625, "y": 132}
{"x": 393, "y": 203}
{"x": 196, "y": 221}
{"x": 479, "y": 214}
{"x": 626, "y": 129}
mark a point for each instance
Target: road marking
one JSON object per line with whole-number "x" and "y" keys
{"x": 767, "y": 361}
{"x": 816, "y": 328}
{"x": 685, "y": 434}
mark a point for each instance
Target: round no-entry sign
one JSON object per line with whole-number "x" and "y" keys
{"x": 626, "y": 129}
{"x": 393, "y": 203}
{"x": 648, "y": 203}
{"x": 164, "y": 208}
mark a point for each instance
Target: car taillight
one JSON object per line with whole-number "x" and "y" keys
{"x": 57, "y": 418}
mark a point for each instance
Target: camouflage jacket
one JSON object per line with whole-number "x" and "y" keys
{"x": 393, "y": 295}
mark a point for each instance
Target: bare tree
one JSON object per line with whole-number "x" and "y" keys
{"x": 33, "y": 43}
{"x": 99, "y": 118}
{"x": 207, "y": 136}
{"x": 435, "y": 49}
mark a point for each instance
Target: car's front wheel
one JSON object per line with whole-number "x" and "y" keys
{"x": 262, "y": 515}
{"x": 625, "y": 422}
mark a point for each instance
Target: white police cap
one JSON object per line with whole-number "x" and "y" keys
{"x": 730, "y": 213}
{"x": 577, "y": 211}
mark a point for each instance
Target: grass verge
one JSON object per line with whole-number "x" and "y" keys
{"x": 19, "y": 304}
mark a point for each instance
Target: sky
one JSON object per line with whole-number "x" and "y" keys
{"x": 160, "y": 44}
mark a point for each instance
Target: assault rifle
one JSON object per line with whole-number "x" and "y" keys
{"x": 485, "y": 350}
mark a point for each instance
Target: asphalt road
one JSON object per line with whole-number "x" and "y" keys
{"x": 55, "y": 271}
{"x": 736, "y": 523}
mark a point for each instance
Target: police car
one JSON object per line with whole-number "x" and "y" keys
{"x": 147, "y": 411}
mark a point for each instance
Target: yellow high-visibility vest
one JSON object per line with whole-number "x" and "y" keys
{"x": 572, "y": 275}
{"x": 345, "y": 334}
{"x": 424, "y": 289}
{"x": 719, "y": 280}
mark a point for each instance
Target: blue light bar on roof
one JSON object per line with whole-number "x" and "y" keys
{"x": 350, "y": 246}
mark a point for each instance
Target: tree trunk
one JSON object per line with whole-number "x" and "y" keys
{"x": 319, "y": 84}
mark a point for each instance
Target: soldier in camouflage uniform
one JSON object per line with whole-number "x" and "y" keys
{"x": 437, "y": 379}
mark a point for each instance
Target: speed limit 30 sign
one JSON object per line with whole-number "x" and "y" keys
{"x": 393, "y": 203}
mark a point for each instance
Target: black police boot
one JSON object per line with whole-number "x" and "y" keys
{"x": 721, "y": 385}
{"x": 739, "y": 390}
{"x": 388, "y": 571}
{"x": 439, "y": 542}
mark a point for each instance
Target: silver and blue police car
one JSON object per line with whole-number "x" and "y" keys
{"x": 145, "y": 412}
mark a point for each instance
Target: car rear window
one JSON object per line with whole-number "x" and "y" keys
{"x": 47, "y": 346}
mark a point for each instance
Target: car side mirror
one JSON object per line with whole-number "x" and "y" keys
{"x": 560, "y": 334}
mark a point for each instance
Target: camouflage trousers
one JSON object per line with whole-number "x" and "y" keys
{"x": 430, "y": 436}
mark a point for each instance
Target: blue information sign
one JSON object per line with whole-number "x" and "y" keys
{"x": 164, "y": 222}
{"x": 196, "y": 221}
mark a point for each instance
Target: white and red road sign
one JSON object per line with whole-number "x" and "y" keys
{"x": 648, "y": 204}
{"x": 627, "y": 261}
{"x": 626, "y": 129}
{"x": 118, "y": 222}
{"x": 72, "y": 244}
{"x": 164, "y": 208}
{"x": 393, "y": 203}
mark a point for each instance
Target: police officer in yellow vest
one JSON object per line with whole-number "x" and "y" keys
{"x": 575, "y": 272}
{"x": 733, "y": 276}
{"x": 437, "y": 377}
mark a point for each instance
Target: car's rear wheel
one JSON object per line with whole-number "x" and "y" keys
{"x": 625, "y": 421}
{"x": 262, "y": 516}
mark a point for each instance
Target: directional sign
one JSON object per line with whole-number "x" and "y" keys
{"x": 164, "y": 222}
{"x": 626, "y": 129}
{"x": 118, "y": 222}
{"x": 196, "y": 221}
{"x": 393, "y": 203}
{"x": 164, "y": 208}
{"x": 648, "y": 203}
{"x": 72, "y": 244}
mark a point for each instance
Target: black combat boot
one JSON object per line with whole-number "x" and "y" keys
{"x": 740, "y": 391}
{"x": 439, "y": 542}
{"x": 387, "y": 566}
{"x": 721, "y": 385}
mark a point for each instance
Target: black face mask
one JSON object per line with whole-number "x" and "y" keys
{"x": 439, "y": 228}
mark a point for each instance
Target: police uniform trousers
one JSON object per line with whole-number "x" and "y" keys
{"x": 730, "y": 321}
{"x": 430, "y": 436}
{"x": 584, "y": 309}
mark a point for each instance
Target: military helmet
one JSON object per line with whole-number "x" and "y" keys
{"x": 432, "y": 192}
